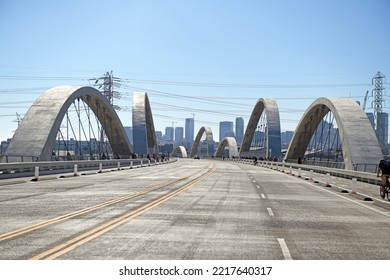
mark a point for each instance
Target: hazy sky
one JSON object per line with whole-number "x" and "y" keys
{"x": 224, "y": 55}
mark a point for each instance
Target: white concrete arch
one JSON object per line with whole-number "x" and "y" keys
{"x": 144, "y": 135}
{"x": 358, "y": 139}
{"x": 231, "y": 143}
{"x": 36, "y": 134}
{"x": 274, "y": 145}
{"x": 209, "y": 139}
{"x": 181, "y": 151}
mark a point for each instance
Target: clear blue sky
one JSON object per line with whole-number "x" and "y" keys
{"x": 226, "y": 54}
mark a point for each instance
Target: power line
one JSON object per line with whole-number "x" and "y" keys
{"x": 230, "y": 85}
{"x": 41, "y": 78}
{"x": 196, "y": 99}
{"x": 28, "y": 90}
{"x": 188, "y": 84}
{"x": 6, "y": 116}
{"x": 181, "y": 108}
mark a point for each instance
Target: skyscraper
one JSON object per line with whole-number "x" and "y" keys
{"x": 169, "y": 134}
{"x": 225, "y": 130}
{"x": 179, "y": 135}
{"x": 239, "y": 130}
{"x": 189, "y": 130}
{"x": 189, "y": 133}
{"x": 382, "y": 129}
{"x": 159, "y": 135}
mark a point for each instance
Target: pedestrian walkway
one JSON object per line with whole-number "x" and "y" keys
{"x": 361, "y": 190}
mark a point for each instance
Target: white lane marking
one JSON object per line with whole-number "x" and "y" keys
{"x": 353, "y": 201}
{"x": 262, "y": 196}
{"x": 285, "y": 251}
{"x": 270, "y": 212}
{"x": 257, "y": 186}
{"x": 253, "y": 181}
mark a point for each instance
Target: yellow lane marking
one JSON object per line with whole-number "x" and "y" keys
{"x": 58, "y": 219}
{"x": 98, "y": 231}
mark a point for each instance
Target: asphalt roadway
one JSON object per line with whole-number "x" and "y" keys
{"x": 189, "y": 210}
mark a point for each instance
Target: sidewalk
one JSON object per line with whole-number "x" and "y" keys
{"x": 361, "y": 190}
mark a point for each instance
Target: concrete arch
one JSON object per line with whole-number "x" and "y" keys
{"x": 181, "y": 150}
{"x": 209, "y": 140}
{"x": 274, "y": 143}
{"x": 358, "y": 139}
{"x": 36, "y": 134}
{"x": 231, "y": 143}
{"x": 144, "y": 135}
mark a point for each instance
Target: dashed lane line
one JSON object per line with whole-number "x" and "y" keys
{"x": 285, "y": 250}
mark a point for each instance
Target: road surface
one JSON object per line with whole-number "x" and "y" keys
{"x": 188, "y": 210}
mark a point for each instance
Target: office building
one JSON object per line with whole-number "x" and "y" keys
{"x": 169, "y": 134}
{"x": 225, "y": 130}
{"x": 189, "y": 130}
{"x": 179, "y": 135}
{"x": 159, "y": 135}
{"x": 239, "y": 130}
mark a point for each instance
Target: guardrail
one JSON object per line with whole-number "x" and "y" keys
{"x": 365, "y": 167}
{"x": 35, "y": 169}
{"x": 367, "y": 177}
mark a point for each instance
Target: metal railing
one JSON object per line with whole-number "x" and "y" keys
{"x": 364, "y": 167}
{"x": 362, "y": 176}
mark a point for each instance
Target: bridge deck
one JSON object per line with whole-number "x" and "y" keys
{"x": 191, "y": 209}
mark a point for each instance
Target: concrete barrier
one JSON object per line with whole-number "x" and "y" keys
{"x": 37, "y": 169}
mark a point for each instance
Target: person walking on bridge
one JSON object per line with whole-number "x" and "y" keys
{"x": 384, "y": 169}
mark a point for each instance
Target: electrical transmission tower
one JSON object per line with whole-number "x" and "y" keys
{"x": 106, "y": 85}
{"x": 381, "y": 118}
{"x": 18, "y": 118}
{"x": 378, "y": 91}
